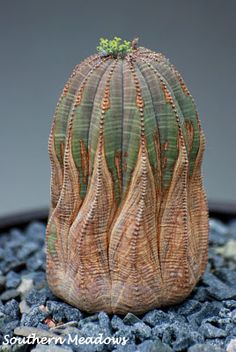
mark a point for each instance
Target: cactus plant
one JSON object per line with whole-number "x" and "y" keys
{"x": 128, "y": 226}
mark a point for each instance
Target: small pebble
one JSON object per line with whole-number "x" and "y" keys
{"x": 35, "y": 316}
{"x": 36, "y": 261}
{"x": 130, "y": 347}
{"x": 26, "y": 250}
{"x": 218, "y": 227}
{"x": 231, "y": 347}
{"x": 36, "y": 231}
{"x": 141, "y": 331}
{"x": 12, "y": 309}
{"x": 153, "y": 346}
{"x": 189, "y": 307}
{"x": 184, "y": 341}
{"x": 25, "y": 286}
{"x": 24, "y": 308}
{"x": 205, "y": 348}
{"x": 35, "y": 297}
{"x": 207, "y": 310}
{"x": 156, "y": 317}
{"x": 226, "y": 275}
{"x": 9, "y": 294}
{"x": 53, "y": 348}
{"x": 131, "y": 319}
{"x": 228, "y": 250}
{"x": 209, "y": 331}
{"x": 104, "y": 321}
{"x": 13, "y": 279}
{"x": 63, "y": 311}
{"x": 26, "y": 331}
{"x": 217, "y": 289}
{"x": 117, "y": 323}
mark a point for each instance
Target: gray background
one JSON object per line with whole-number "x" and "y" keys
{"x": 41, "y": 41}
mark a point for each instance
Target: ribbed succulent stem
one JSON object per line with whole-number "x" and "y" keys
{"x": 128, "y": 226}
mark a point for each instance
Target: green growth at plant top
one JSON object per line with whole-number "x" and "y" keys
{"x": 115, "y": 47}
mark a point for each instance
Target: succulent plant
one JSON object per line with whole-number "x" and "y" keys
{"x": 128, "y": 226}
{"x": 114, "y": 47}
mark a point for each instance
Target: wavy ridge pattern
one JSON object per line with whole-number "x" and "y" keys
{"x": 128, "y": 226}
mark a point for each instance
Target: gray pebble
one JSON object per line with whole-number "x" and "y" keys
{"x": 230, "y": 304}
{"x": 227, "y": 276}
{"x": 26, "y": 331}
{"x": 230, "y": 329}
{"x": 233, "y": 316}
{"x": 129, "y": 347}
{"x": 5, "y": 348}
{"x": 231, "y": 343}
{"x": 153, "y": 346}
{"x": 17, "y": 239}
{"x": 36, "y": 232}
{"x": 53, "y": 348}
{"x": 26, "y": 250}
{"x": 125, "y": 332}
{"x": 42, "y": 326}
{"x": 9, "y": 327}
{"x": 117, "y": 323}
{"x": 189, "y": 307}
{"x": 169, "y": 335}
{"x": 25, "y": 286}
{"x": 215, "y": 261}
{"x": 12, "y": 309}
{"x": 209, "y": 331}
{"x": 131, "y": 319}
{"x": 12, "y": 279}
{"x": 104, "y": 321}
{"x": 156, "y": 317}
{"x": 24, "y": 308}
{"x": 63, "y": 312}
{"x": 91, "y": 318}
{"x": 158, "y": 330}
{"x": 219, "y": 342}
{"x": 36, "y": 261}
{"x": 184, "y": 341}
{"x": 35, "y": 316}
{"x": 141, "y": 331}
{"x": 218, "y": 322}
{"x": 39, "y": 279}
{"x": 218, "y": 226}
{"x": 207, "y": 310}
{"x": 49, "y": 295}
{"x": 35, "y": 297}
{"x": 200, "y": 294}
{"x": 90, "y": 329}
{"x": 217, "y": 289}
{"x": 9, "y": 294}
{"x": 205, "y": 348}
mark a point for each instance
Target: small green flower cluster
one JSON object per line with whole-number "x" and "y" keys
{"x": 115, "y": 47}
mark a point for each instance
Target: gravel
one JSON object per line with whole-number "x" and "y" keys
{"x": 205, "y": 322}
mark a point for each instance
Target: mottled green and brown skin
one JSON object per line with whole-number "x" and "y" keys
{"x": 128, "y": 228}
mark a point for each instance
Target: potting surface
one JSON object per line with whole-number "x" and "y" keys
{"x": 206, "y": 321}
